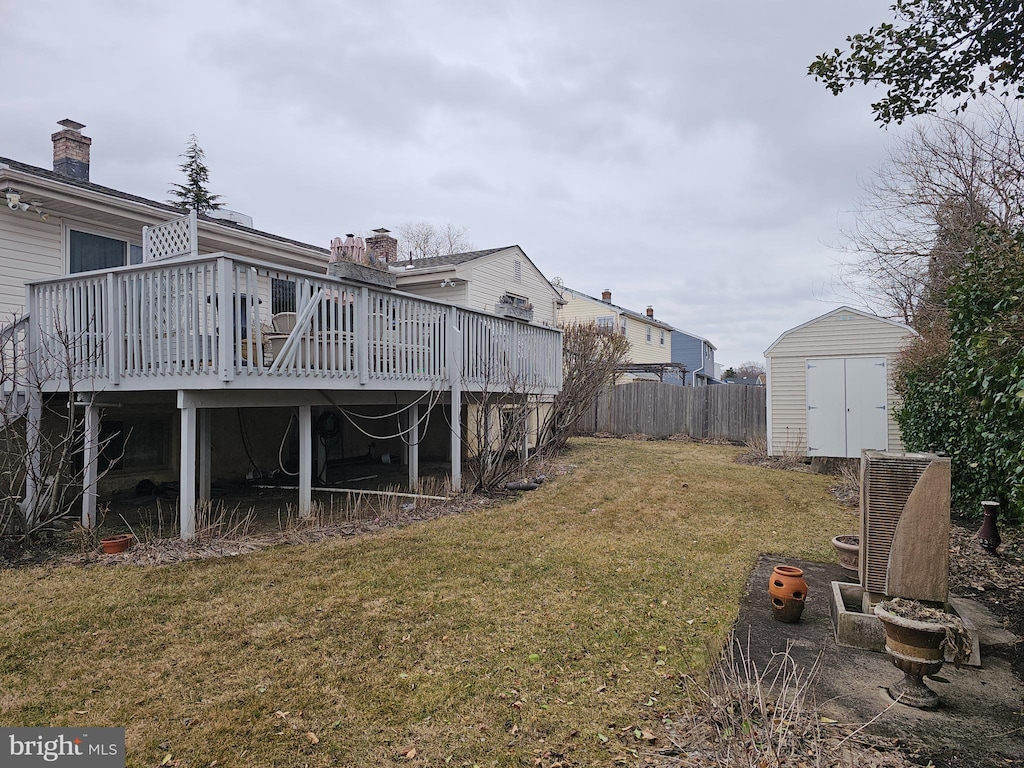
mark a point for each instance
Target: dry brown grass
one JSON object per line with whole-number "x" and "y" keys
{"x": 549, "y": 630}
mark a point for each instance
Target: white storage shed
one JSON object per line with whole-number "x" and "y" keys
{"x": 830, "y": 385}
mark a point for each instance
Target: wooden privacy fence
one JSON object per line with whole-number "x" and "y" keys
{"x": 732, "y": 412}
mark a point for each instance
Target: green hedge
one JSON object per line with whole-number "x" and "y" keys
{"x": 967, "y": 398}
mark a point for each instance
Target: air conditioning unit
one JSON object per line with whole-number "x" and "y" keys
{"x": 904, "y": 526}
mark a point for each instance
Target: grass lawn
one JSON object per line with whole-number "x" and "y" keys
{"x": 539, "y": 631}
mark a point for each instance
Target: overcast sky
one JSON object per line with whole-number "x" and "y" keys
{"x": 674, "y": 152}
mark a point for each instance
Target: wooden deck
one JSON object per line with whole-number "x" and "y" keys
{"x": 202, "y": 327}
{"x": 204, "y": 322}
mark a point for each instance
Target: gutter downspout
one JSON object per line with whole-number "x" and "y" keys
{"x": 703, "y": 362}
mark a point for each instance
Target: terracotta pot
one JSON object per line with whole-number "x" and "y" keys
{"x": 916, "y": 649}
{"x": 788, "y": 591}
{"x": 988, "y": 537}
{"x": 115, "y": 544}
{"x": 848, "y": 549}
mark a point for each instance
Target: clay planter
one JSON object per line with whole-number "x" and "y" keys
{"x": 848, "y": 550}
{"x": 916, "y": 648}
{"x": 788, "y": 591}
{"x": 115, "y": 544}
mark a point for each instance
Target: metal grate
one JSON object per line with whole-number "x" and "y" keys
{"x": 886, "y": 484}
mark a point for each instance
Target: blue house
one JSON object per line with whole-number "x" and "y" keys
{"x": 697, "y": 354}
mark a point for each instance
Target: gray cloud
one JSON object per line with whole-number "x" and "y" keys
{"x": 674, "y": 152}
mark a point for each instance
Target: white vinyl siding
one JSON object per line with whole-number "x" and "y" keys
{"x": 495, "y": 275}
{"x": 836, "y": 335}
{"x": 581, "y": 309}
{"x": 30, "y": 249}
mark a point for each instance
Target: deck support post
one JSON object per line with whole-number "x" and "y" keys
{"x": 205, "y": 416}
{"x": 187, "y": 470}
{"x": 413, "y": 446}
{"x": 455, "y": 384}
{"x": 305, "y": 461}
{"x": 90, "y": 461}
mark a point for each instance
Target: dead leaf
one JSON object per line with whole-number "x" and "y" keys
{"x": 166, "y": 760}
{"x": 312, "y": 737}
{"x": 409, "y": 753}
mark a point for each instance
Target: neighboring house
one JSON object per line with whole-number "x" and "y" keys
{"x": 650, "y": 340}
{"x": 502, "y": 281}
{"x": 697, "y": 354}
{"x": 177, "y": 328}
{"x": 830, "y": 385}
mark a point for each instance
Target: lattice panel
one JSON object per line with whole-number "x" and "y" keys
{"x": 176, "y": 237}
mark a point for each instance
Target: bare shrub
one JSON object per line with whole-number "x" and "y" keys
{"x": 745, "y": 716}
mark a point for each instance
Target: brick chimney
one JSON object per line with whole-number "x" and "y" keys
{"x": 383, "y": 246}
{"x": 71, "y": 151}
{"x": 650, "y": 311}
{"x": 606, "y": 296}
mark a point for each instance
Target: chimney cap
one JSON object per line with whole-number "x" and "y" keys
{"x": 381, "y": 231}
{"x": 72, "y": 125}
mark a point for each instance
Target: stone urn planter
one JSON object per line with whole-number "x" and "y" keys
{"x": 848, "y": 550}
{"x": 788, "y": 592}
{"x": 114, "y": 544}
{"x": 915, "y": 639}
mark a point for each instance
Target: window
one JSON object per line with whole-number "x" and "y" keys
{"x": 135, "y": 444}
{"x": 662, "y": 338}
{"x": 622, "y": 320}
{"x": 648, "y": 334}
{"x": 515, "y": 301}
{"x": 282, "y": 296}
{"x": 90, "y": 252}
{"x": 606, "y": 323}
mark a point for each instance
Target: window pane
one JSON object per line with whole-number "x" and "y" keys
{"x": 282, "y": 296}
{"x": 134, "y": 444}
{"x": 135, "y": 254}
{"x": 89, "y": 252}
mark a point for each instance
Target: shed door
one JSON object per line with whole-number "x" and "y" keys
{"x": 867, "y": 425}
{"x": 846, "y": 406}
{"x": 826, "y": 407}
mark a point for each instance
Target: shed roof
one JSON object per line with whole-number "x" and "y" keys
{"x": 839, "y": 310}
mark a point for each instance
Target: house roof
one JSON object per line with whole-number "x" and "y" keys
{"x": 53, "y": 176}
{"x": 452, "y": 259}
{"x": 424, "y": 266}
{"x": 839, "y": 310}
{"x": 622, "y": 310}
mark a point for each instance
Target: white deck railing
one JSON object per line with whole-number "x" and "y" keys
{"x": 203, "y": 322}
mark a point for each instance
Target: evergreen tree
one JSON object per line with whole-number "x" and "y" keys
{"x": 193, "y": 195}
